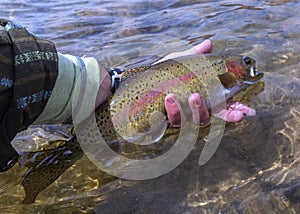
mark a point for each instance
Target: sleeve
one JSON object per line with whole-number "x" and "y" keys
{"x": 28, "y": 71}
{"x": 74, "y": 93}
{"x": 39, "y": 85}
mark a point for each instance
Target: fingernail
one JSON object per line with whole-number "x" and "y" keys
{"x": 197, "y": 101}
{"x": 170, "y": 100}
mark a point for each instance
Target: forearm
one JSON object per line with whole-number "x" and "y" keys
{"x": 82, "y": 84}
{"x": 105, "y": 86}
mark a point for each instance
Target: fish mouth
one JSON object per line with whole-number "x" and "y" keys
{"x": 254, "y": 76}
{"x": 231, "y": 93}
{"x": 246, "y": 91}
{"x": 250, "y": 81}
{"x": 254, "y": 80}
{"x": 253, "y": 71}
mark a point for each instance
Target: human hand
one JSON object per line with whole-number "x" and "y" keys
{"x": 234, "y": 113}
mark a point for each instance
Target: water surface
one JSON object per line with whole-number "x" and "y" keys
{"x": 256, "y": 167}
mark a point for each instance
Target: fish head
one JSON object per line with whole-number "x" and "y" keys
{"x": 240, "y": 70}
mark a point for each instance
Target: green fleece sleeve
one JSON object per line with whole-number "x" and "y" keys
{"x": 75, "y": 90}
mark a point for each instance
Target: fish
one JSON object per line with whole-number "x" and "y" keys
{"x": 137, "y": 110}
{"x": 127, "y": 116}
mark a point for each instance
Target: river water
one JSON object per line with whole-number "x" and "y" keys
{"x": 256, "y": 167}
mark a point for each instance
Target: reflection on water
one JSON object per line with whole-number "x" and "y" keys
{"x": 256, "y": 167}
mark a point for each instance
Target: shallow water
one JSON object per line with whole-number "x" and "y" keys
{"x": 256, "y": 167}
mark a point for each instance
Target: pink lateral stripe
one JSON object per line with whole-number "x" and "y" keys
{"x": 160, "y": 91}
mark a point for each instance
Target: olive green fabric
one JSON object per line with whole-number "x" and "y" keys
{"x": 58, "y": 109}
{"x": 72, "y": 70}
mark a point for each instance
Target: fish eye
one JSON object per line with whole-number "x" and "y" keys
{"x": 247, "y": 60}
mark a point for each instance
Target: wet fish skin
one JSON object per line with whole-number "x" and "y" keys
{"x": 139, "y": 96}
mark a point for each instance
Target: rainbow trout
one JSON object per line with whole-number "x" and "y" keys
{"x": 132, "y": 110}
{"x": 127, "y": 115}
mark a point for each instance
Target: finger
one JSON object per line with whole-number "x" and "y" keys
{"x": 173, "y": 109}
{"x": 204, "y": 47}
{"x": 230, "y": 115}
{"x": 243, "y": 108}
{"x": 199, "y": 110}
{"x": 235, "y": 112}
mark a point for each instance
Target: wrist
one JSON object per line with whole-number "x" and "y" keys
{"x": 105, "y": 86}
